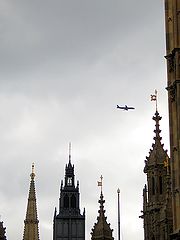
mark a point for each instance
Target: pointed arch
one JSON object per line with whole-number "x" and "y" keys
{"x": 73, "y": 201}
{"x": 160, "y": 185}
{"x": 66, "y": 201}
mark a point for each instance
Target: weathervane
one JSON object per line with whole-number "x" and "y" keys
{"x": 154, "y": 98}
{"x": 100, "y": 182}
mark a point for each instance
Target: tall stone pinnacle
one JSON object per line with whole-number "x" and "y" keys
{"x": 31, "y": 230}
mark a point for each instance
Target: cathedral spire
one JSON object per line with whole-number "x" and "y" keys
{"x": 31, "y": 230}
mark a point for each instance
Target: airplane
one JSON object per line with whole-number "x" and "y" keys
{"x": 126, "y": 108}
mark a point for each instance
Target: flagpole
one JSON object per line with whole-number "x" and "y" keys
{"x": 118, "y": 192}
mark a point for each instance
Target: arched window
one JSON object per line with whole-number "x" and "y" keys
{"x": 73, "y": 201}
{"x": 69, "y": 181}
{"x": 153, "y": 186}
{"x": 66, "y": 201}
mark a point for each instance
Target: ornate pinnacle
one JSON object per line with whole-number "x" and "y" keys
{"x": 157, "y": 131}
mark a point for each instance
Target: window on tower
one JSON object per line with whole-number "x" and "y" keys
{"x": 69, "y": 181}
{"x": 153, "y": 186}
{"x": 66, "y": 201}
{"x": 73, "y": 201}
{"x": 160, "y": 185}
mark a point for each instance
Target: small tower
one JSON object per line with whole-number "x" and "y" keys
{"x": 157, "y": 211}
{"x": 101, "y": 229}
{"x": 2, "y": 232}
{"x": 31, "y": 229}
{"x": 69, "y": 223}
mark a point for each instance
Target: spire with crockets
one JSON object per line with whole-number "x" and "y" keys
{"x": 101, "y": 229}
{"x": 31, "y": 230}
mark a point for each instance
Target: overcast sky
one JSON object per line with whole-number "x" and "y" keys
{"x": 64, "y": 65}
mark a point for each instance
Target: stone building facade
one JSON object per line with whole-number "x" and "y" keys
{"x": 172, "y": 20}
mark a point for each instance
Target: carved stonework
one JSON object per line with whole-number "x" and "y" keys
{"x": 170, "y": 62}
{"x": 172, "y": 92}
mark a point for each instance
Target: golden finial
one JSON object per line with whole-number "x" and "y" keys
{"x": 154, "y": 98}
{"x": 33, "y": 172}
{"x": 100, "y": 183}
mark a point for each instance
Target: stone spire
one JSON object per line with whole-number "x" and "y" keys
{"x": 31, "y": 230}
{"x": 101, "y": 229}
{"x": 2, "y": 232}
{"x": 157, "y": 154}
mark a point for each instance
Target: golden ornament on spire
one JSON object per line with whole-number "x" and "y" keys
{"x": 32, "y": 175}
{"x": 154, "y": 97}
{"x": 100, "y": 183}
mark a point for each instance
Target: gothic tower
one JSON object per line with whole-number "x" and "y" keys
{"x": 31, "y": 230}
{"x": 101, "y": 229}
{"x": 157, "y": 210}
{"x": 69, "y": 224}
{"x": 172, "y": 19}
{"x": 2, "y": 232}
